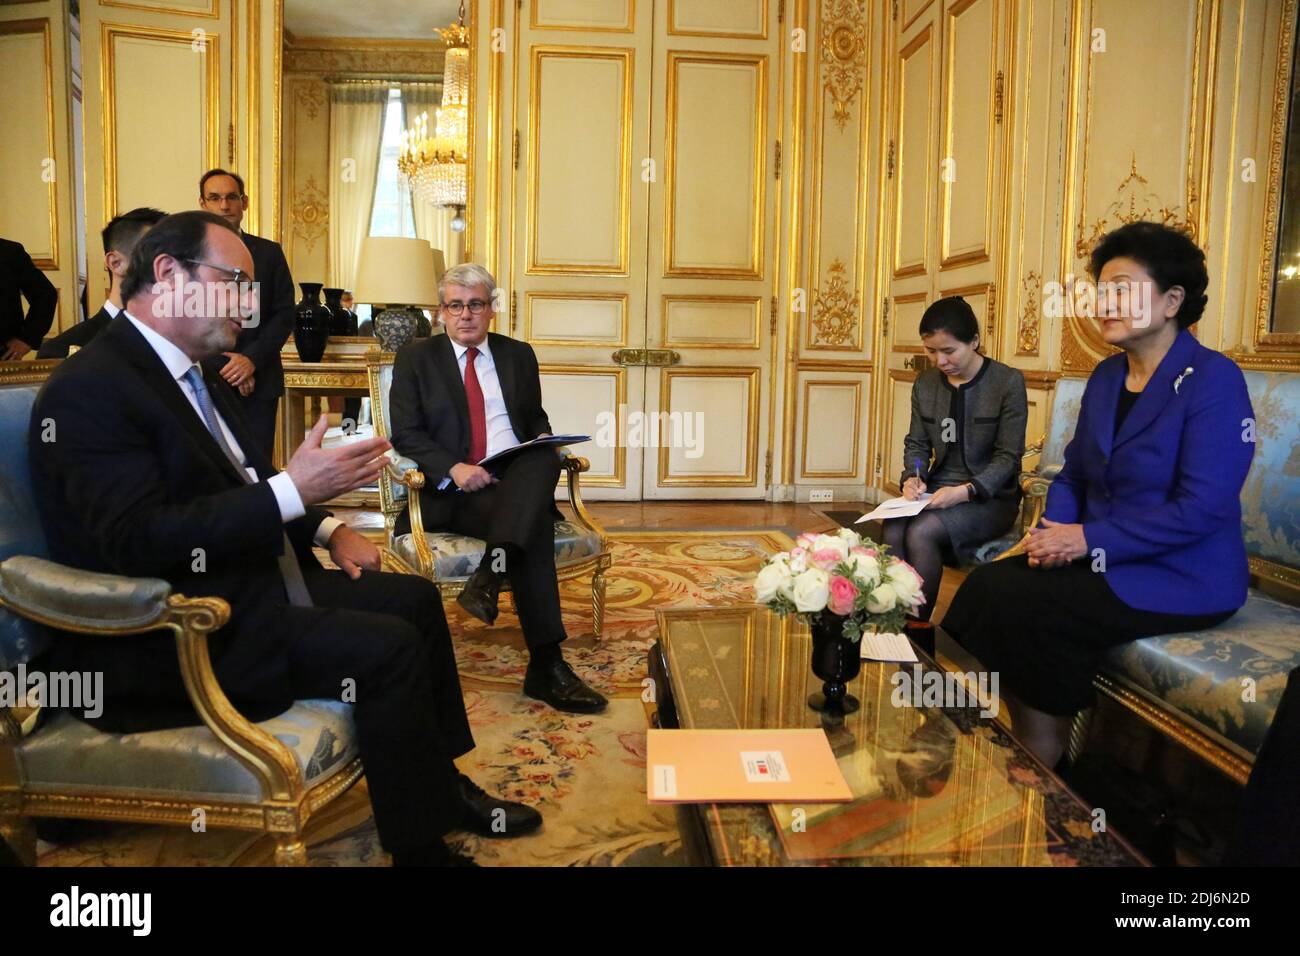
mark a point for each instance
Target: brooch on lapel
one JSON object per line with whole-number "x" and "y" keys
{"x": 1179, "y": 380}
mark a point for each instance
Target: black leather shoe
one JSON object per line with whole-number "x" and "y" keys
{"x": 557, "y": 684}
{"x": 487, "y": 816}
{"x": 481, "y": 594}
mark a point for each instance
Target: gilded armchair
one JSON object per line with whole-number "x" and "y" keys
{"x": 448, "y": 559}
{"x": 228, "y": 772}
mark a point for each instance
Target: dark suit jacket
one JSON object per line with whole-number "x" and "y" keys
{"x": 133, "y": 484}
{"x": 1162, "y": 497}
{"x": 19, "y": 279}
{"x": 993, "y": 433}
{"x": 430, "y": 415}
{"x": 262, "y": 342}
{"x": 79, "y": 335}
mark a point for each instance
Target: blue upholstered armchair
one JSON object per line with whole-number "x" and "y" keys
{"x": 447, "y": 559}
{"x": 269, "y": 777}
{"x": 1214, "y": 692}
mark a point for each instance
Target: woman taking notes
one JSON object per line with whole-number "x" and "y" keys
{"x": 968, "y": 414}
{"x": 1142, "y": 530}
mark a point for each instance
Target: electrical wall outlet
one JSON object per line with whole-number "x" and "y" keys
{"x": 821, "y": 494}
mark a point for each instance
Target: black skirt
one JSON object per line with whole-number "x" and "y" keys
{"x": 1045, "y": 631}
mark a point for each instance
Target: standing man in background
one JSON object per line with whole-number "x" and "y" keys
{"x": 253, "y": 367}
{"x": 119, "y": 237}
{"x": 21, "y": 279}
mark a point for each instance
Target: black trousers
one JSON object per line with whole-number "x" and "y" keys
{"x": 387, "y": 632}
{"x": 260, "y": 410}
{"x": 1046, "y": 630}
{"x": 519, "y": 510}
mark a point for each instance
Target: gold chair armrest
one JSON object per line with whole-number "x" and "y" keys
{"x": 1035, "y": 449}
{"x": 137, "y": 606}
{"x": 1011, "y": 552}
{"x": 413, "y": 479}
{"x": 575, "y": 465}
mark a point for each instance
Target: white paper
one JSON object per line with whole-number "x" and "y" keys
{"x": 764, "y": 766}
{"x": 887, "y": 647}
{"x": 665, "y": 777}
{"x": 896, "y": 508}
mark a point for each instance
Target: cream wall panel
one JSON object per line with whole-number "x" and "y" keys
{"x": 831, "y": 413}
{"x": 898, "y": 416}
{"x": 580, "y": 189}
{"x": 588, "y": 319}
{"x": 914, "y": 175}
{"x": 602, "y": 15}
{"x": 715, "y": 166}
{"x": 305, "y": 175}
{"x": 718, "y": 18}
{"x": 906, "y": 322}
{"x": 28, "y": 161}
{"x": 147, "y": 173}
{"x": 966, "y": 167}
{"x": 710, "y": 432}
{"x": 198, "y": 8}
{"x": 590, "y": 402}
{"x": 711, "y": 322}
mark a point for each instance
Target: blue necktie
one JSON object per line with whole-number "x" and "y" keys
{"x": 294, "y": 584}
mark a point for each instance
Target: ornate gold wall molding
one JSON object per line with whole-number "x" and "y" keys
{"x": 835, "y": 311}
{"x": 1131, "y": 192}
{"x": 1028, "y": 330}
{"x": 310, "y": 98}
{"x": 843, "y": 53}
{"x": 310, "y": 212}
{"x": 360, "y": 55}
{"x": 1273, "y": 196}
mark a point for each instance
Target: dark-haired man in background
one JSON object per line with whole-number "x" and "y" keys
{"x": 253, "y": 365}
{"x": 119, "y": 237}
{"x": 21, "y": 279}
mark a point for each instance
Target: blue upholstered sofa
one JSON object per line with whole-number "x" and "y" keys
{"x": 227, "y": 772}
{"x": 1214, "y": 691}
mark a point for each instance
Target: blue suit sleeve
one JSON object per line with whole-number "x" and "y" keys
{"x": 1214, "y": 455}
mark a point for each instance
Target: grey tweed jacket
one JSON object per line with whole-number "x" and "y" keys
{"x": 993, "y": 438}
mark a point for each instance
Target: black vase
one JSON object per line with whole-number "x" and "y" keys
{"x": 836, "y": 661}
{"x": 338, "y": 314}
{"x": 311, "y": 326}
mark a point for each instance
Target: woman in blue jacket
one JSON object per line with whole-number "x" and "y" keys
{"x": 1142, "y": 530}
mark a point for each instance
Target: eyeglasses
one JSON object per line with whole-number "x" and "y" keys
{"x": 457, "y": 308}
{"x": 236, "y": 275}
{"x": 228, "y": 197}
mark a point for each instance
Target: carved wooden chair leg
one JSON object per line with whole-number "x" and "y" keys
{"x": 1078, "y": 735}
{"x": 598, "y": 602}
{"x": 290, "y": 850}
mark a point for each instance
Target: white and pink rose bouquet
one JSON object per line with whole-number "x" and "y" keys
{"x": 841, "y": 574}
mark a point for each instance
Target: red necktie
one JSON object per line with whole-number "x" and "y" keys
{"x": 477, "y": 412}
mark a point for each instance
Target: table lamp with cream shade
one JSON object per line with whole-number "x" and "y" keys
{"x": 401, "y": 274}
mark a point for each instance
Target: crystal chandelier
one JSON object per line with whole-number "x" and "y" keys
{"x": 435, "y": 167}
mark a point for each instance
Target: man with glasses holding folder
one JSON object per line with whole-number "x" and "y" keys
{"x": 462, "y": 397}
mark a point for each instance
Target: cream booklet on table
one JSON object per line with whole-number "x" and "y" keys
{"x": 742, "y": 766}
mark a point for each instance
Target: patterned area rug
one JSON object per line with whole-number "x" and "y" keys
{"x": 585, "y": 774}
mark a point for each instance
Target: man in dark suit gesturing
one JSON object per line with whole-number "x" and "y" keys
{"x": 119, "y": 236}
{"x": 253, "y": 365}
{"x": 455, "y": 399}
{"x": 143, "y": 464}
{"x": 19, "y": 279}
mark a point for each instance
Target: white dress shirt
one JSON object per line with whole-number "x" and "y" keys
{"x": 286, "y": 493}
{"x": 113, "y": 310}
{"x": 500, "y": 435}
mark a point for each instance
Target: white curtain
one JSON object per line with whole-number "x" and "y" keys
{"x": 356, "y": 136}
{"x": 432, "y": 223}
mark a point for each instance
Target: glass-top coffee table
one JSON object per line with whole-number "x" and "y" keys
{"x": 932, "y": 785}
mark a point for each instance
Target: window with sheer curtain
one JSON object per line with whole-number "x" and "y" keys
{"x": 391, "y": 214}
